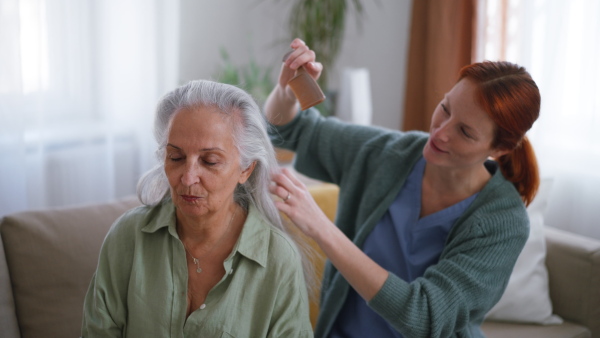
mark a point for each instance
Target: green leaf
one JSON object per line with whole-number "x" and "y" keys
{"x": 251, "y": 77}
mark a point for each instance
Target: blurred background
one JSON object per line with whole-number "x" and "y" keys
{"x": 79, "y": 80}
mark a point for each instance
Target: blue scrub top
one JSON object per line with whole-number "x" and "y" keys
{"x": 403, "y": 244}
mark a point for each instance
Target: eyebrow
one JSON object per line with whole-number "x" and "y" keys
{"x": 446, "y": 99}
{"x": 447, "y": 107}
{"x": 204, "y": 149}
{"x": 446, "y": 103}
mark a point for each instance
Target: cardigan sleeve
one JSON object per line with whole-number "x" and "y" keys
{"x": 469, "y": 279}
{"x": 326, "y": 147}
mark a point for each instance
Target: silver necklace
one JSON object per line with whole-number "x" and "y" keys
{"x": 196, "y": 260}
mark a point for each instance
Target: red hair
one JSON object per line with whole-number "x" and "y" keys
{"x": 512, "y": 100}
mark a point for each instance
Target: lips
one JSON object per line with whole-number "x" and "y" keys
{"x": 435, "y": 147}
{"x": 189, "y": 198}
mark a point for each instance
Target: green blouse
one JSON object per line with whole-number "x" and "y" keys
{"x": 140, "y": 286}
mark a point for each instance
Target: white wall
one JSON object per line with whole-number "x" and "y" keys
{"x": 259, "y": 27}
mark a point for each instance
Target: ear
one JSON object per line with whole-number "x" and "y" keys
{"x": 246, "y": 173}
{"x": 497, "y": 153}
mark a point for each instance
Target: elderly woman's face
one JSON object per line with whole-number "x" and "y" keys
{"x": 202, "y": 162}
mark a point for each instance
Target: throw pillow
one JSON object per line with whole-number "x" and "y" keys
{"x": 526, "y": 298}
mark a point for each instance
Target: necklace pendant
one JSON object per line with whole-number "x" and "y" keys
{"x": 198, "y": 268}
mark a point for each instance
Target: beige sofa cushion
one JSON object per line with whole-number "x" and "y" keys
{"x": 8, "y": 320}
{"x": 51, "y": 256}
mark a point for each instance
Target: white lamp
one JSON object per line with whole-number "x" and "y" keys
{"x": 354, "y": 99}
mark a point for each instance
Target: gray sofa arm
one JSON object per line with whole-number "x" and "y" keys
{"x": 573, "y": 263}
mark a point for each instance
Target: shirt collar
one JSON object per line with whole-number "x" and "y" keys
{"x": 254, "y": 239}
{"x": 160, "y": 216}
{"x": 252, "y": 244}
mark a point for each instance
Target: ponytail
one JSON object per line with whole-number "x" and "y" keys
{"x": 521, "y": 168}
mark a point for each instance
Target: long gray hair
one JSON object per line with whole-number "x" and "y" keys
{"x": 251, "y": 140}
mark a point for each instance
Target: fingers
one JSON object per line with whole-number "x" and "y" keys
{"x": 300, "y": 55}
{"x": 288, "y": 187}
{"x": 286, "y": 75}
{"x": 300, "y": 207}
{"x": 286, "y": 179}
{"x": 314, "y": 69}
{"x": 293, "y": 178}
{"x": 283, "y": 184}
{"x": 280, "y": 192}
{"x": 297, "y": 43}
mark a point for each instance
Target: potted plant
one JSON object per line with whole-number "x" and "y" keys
{"x": 321, "y": 24}
{"x": 251, "y": 77}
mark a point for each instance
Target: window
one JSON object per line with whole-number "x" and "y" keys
{"x": 559, "y": 43}
{"x": 80, "y": 80}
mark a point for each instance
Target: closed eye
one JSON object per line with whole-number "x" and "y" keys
{"x": 464, "y": 131}
{"x": 445, "y": 109}
{"x": 211, "y": 159}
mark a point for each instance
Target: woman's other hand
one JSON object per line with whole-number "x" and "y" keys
{"x": 365, "y": 276}
{"x": 298, "y": 204}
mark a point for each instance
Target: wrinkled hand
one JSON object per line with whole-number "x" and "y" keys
{"x": 298, "y": 204}
{"x": 300, "y": 56}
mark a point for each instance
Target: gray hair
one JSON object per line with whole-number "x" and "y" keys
{"x": 250, "y": 138}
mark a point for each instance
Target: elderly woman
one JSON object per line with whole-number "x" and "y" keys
{"x": 207, "y": 255}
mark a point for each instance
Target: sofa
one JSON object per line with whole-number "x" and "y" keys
{"x": 47, "y": 258}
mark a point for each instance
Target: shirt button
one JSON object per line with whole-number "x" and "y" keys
{"x": 202, "y": 306}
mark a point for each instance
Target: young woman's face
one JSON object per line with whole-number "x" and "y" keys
{"x": 461, "y": 132}
{"x": 202, "y": 162}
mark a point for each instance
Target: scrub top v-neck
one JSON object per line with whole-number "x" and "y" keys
{"x": 403, "y": 244}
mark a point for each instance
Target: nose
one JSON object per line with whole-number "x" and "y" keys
{"x": 441, "y": 132}
{"x": 190, "y": 175}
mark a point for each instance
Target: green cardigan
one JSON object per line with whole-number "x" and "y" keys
{"x": 370, "y": 165}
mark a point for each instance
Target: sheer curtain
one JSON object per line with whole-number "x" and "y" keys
{"x": 79, "y": 80}
{"x": 559, "y": 43}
